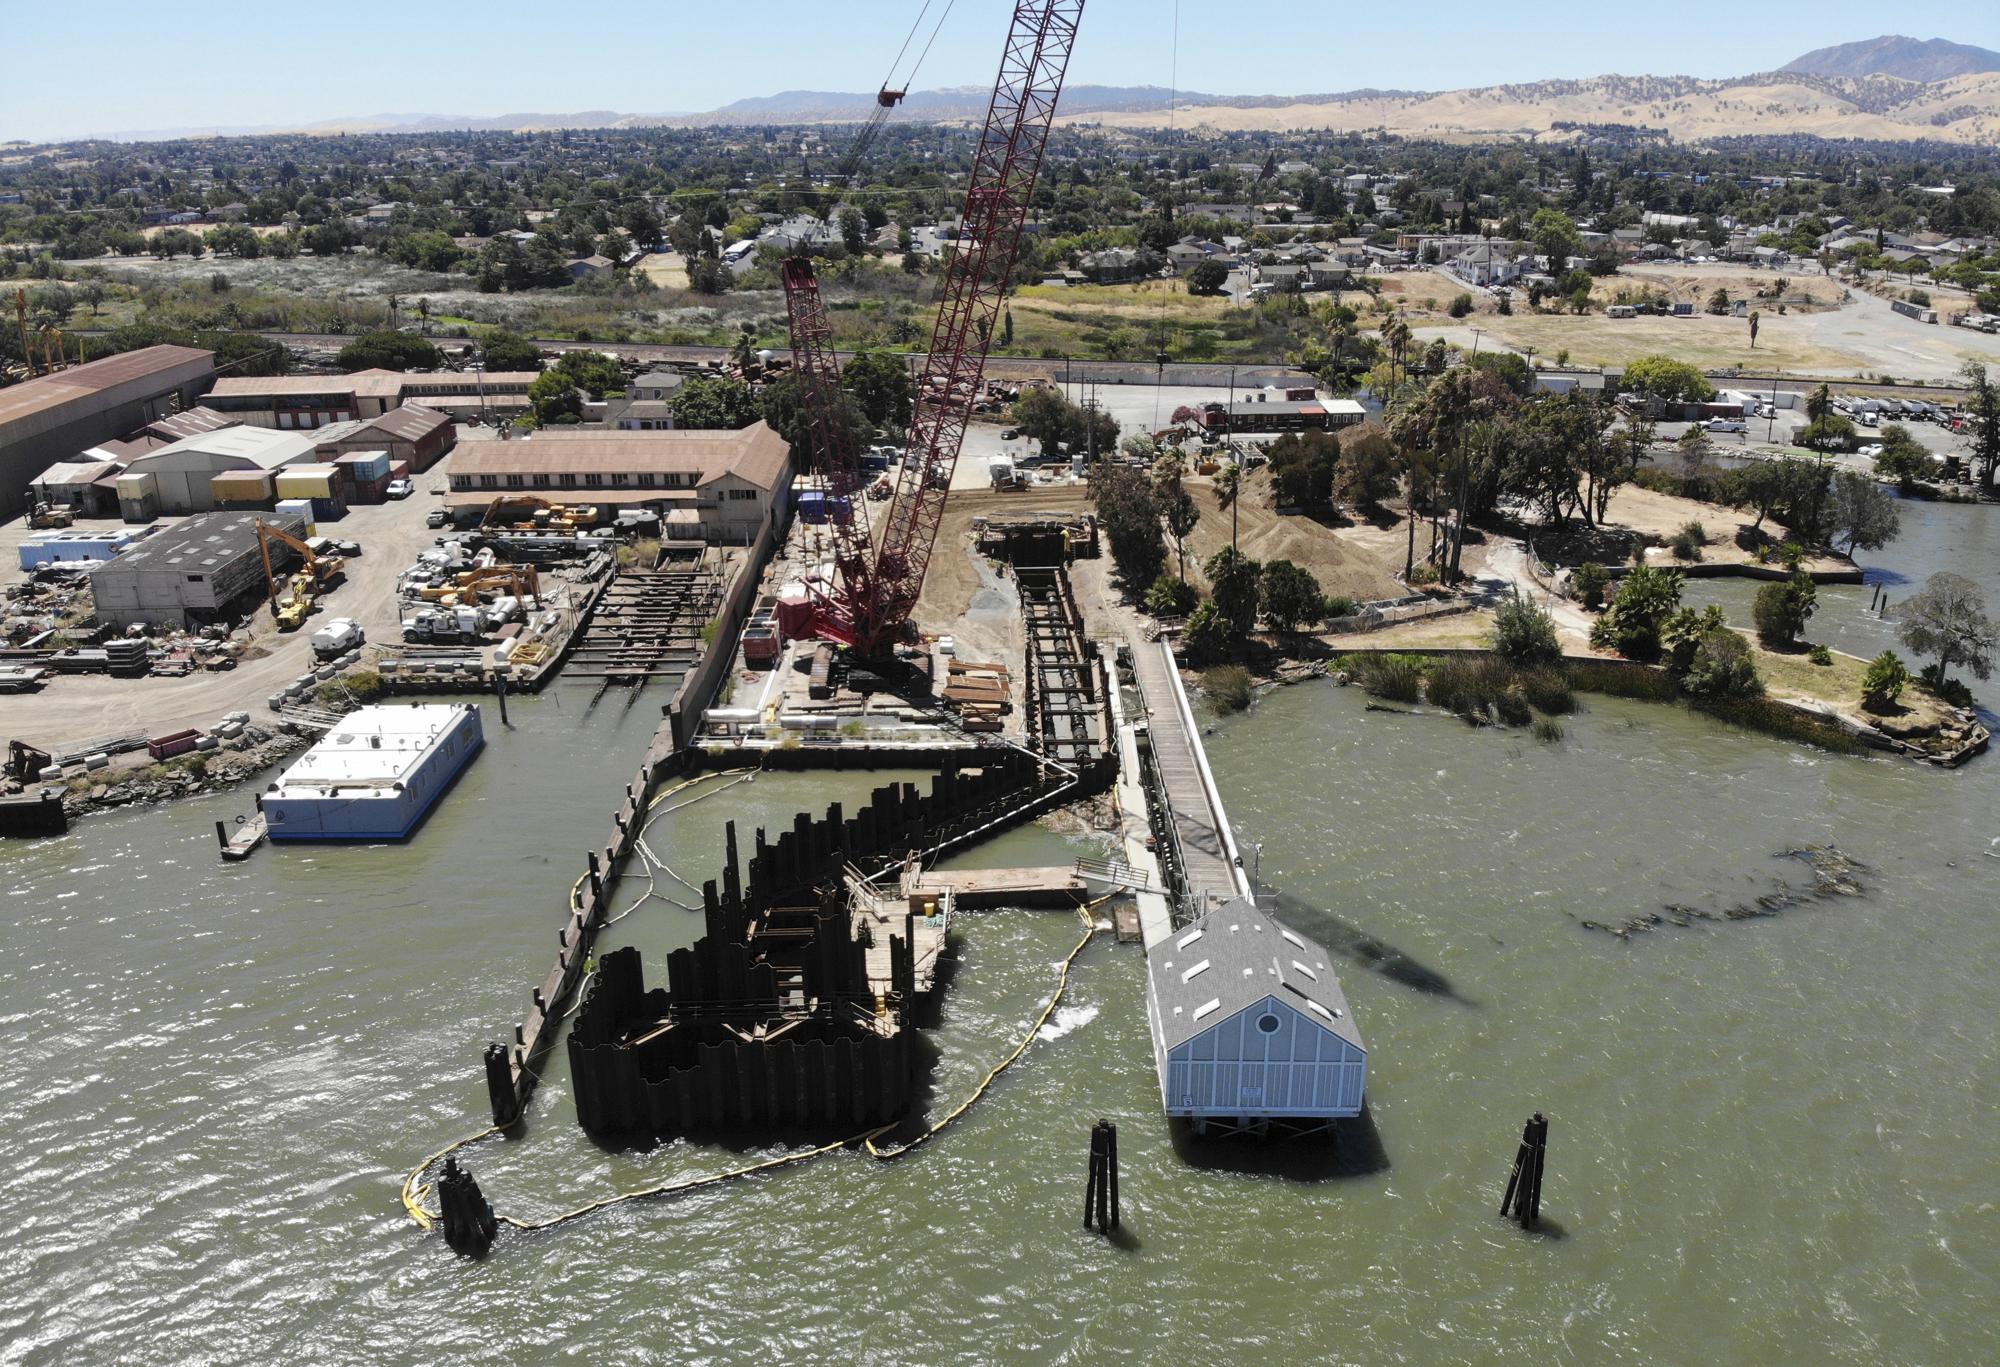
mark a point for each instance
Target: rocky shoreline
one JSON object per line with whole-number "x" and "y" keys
{"x": 192, "y": 775}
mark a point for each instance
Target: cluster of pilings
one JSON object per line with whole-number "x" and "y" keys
{"x": 769, "y": 1019}
{"x": 468, "y": 1220}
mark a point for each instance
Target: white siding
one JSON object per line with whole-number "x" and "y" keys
{"x": 1237, "y": 1069}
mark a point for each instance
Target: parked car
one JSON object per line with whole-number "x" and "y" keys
{"x": 1871, "y": 450}
{"x": 436, "y": 517}
{"x": 1727, "y": 425}
{"x": 400, "y": 488}
{"x": 1010, "y": 434}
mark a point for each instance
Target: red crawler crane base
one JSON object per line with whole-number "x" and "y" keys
{"x": 870, "y": 604}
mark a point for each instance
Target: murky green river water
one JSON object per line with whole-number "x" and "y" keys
{"x": 1773, "y": 1139}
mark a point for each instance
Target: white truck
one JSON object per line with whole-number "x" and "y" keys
{"x": 338, "y": 637}
{"x": 442, "y": 624}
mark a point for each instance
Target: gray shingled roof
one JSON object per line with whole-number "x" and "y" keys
{"x": 1233, "y": 958}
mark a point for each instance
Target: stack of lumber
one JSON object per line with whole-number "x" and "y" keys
{"x": 982, "y": 693}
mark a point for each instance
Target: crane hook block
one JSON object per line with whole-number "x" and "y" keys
{"x": 888, "y": 98}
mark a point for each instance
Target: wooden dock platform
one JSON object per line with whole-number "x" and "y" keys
{"x": 971, "y": 889}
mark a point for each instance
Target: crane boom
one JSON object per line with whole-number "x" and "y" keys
{"x": 1004, "y": 169}
{"x": 832, "y": 453}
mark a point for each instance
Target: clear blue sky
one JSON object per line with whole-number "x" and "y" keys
{"x": 110, "y": 65}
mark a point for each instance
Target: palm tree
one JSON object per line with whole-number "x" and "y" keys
{"x": 1228, "y": 488}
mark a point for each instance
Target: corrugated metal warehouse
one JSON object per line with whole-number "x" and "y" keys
{"x": 1250, "y": 1025}
{"x": 57, "y": 417}
{"x": 181, "y": 471}
{"x": 206, "y": 569}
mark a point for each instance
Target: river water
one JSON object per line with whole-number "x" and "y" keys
{"x": 1772, "y": 1138}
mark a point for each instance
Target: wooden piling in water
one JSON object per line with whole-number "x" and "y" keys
{"x": 1523, "y": 1197}
{"x": 1100, "y": 1193}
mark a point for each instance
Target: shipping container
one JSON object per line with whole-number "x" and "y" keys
{"x": 308, "y": 481}
{"x": 363, "y": 467}
{"x": 330, "y": 509}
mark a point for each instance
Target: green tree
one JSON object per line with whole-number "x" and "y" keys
{"x": 1234, "y": 583}
{"x": 387, "y": 351}
{"x": 1228, "y": 491}
{"x": 1208, "y": 277}
{"x": 785, "y": 410}
{"x": 1718, "y": 303}
{"x": 1782, "y": 610}
{"x": 1368, "y": 467}
{"x": 503, "y": 350}
{"x": 1903, "y": 458}
{"x": 717, "y": 404}
{"x": 592, "y": 371}
{"x": 853, "y": 230}
{"x": 1177, "y": 507}
{"x": 1947, "y": 621}
{"x": 1646, "y": 598}
{"x": 1525, "y": 634}
{"x": 1982, "y": 408}
{"x": 1555, "y": 236}
{"x": 1861, "y": 513}
{"x": 1128, "y": 511}
{"x": 881, "y": 385}
{"x": 555, "y": 399}
{"x": 1291, "y": 596}
{"x": 1667, "y": 380}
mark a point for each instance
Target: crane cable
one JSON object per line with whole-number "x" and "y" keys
{"x": 416, "y": 1191}
{"x": 1173, "y": 98}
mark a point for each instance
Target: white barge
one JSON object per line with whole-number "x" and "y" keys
{"x": 375, "y": 774}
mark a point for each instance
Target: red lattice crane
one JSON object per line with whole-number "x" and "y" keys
{"x": 869, "y": 606}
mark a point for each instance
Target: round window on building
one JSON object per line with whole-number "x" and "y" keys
{"x": 1268, "y": 1023}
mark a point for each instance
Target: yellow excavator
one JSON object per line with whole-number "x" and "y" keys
{"x": 505, "y": 514}
{"x": 292, "y": 598}
{"x": 497, "y": 581}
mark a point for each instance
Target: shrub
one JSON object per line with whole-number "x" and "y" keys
{"x": 1589, "y": 583}
{"x": 1646, "y": 599}
{"x": 1338, "y": 605}
{"x": 1782, "y": 610}
{"x": 1791, "y": 555}
{"x": 1617, "y": 681}
{"x": 1170, "y": 597}
{"x": 1396, "y": 677}
{"x": 1525, "y": 634}
{"x": 1548, "y": 730}
{"x": 1547, "y": 691}
{"x": 1820, "y": 655}
{"x": 1688, "y": 541}
{"x": 1423, "y": 576}
{"x": 1512, "y": 705}
{"x": 1884, "y": 682}
{"x": 1722, "y": 668}
{"x": 1207, "y": 634}
{"x": 1228, "y": 685}
{"x": 1461, "y": 305}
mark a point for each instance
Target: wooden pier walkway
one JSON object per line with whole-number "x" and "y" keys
{"x": 1210, "y": 868}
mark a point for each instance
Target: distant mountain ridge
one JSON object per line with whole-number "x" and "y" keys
{"x": 1895, "y": 55}
{"x": 1853, "y": 90}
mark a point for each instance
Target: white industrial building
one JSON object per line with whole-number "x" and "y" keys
{"x": 1250, "y": 1026}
